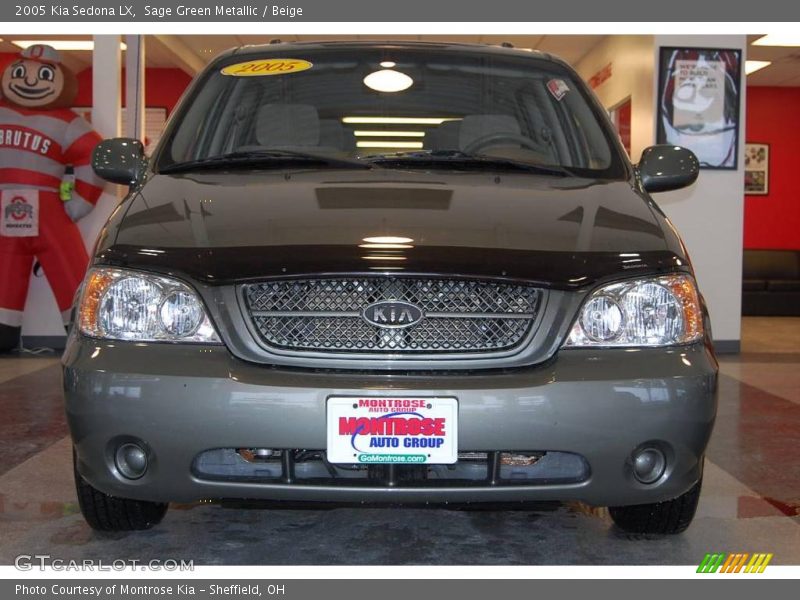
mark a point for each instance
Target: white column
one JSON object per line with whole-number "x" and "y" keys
{"x": 106, "y": 118}
{"x": 134, "y": 87}
{"x": 106, "y": 80}
{"x": 710, "y": 214}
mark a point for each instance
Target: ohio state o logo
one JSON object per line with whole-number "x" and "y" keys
{"x": 20, "y": 209}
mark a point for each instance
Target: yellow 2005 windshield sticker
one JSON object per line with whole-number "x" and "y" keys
{"x": 267, "y": 66}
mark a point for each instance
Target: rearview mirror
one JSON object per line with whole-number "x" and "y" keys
{"x": 665, "y": 167}
{"x": 120, "y": 160}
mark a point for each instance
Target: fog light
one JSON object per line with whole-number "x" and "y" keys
{"x": 649, "y": 464}
{"x": 131, "y": 461}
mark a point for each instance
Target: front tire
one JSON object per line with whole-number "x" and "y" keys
{"x": 108, "y": 513}
{"x": 668, "y": 517}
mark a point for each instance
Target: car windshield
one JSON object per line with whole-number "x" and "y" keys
{"x": 392, "y": 106}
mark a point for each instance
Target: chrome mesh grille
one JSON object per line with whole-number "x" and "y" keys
{"x": 325, "y": 315}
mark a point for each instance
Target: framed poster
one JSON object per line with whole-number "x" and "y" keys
{"x": 756, "y": 169}
{"x": 698, "y": 103}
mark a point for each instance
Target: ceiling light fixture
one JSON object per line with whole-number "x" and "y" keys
{"x": 388, "y": 239}
{"x": 390, "y": 144}
{"x": 386, "y": 246}
{"x": 66, "y": 45}
{"x": 388, "y": 81}
{"x": 388, "y": 64}
{"x": 384, "y": 257}
{"x": 778, "y": 39}
{"x": 751, "y": 66}
{"x": 376, "y": 133}
{"x": 398, "y": 120}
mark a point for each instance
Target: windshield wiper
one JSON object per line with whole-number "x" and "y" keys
{"x": 457, "y": 158}
{"x": 259, "y": 157}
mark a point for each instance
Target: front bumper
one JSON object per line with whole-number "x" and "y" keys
{"x": 183, "y": 400}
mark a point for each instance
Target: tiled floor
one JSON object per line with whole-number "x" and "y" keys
{"x": 750, "y": 501}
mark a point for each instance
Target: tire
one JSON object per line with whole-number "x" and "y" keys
{"x": 668, "y": 517}
{"x": 107, "y": 513}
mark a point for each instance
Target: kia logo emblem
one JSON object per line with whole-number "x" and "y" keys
{"x": 392, "y": 313}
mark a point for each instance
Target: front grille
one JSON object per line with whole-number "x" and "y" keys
{"x": 311, "y": 467}
{"x": 326, "y": 315}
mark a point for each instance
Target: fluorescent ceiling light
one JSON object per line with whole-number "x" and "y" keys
{"x": 388, "y": 239}
{"x": 398, "y": 120}
{"x": 390, "y": 144}
{"x": 384, "y": 257}
{"x": 386, "y": 246}
{"x": 751, "y": 66}
{"x": 376, "y": 133}
{"x": 778, "y": 39}
{"x": 66, "y": 45}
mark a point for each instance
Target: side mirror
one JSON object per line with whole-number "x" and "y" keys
{"x": 664, "y": 167}
{"x": 120, "y": 160}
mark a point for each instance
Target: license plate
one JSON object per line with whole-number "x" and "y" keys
{"x": 375, "y": 430}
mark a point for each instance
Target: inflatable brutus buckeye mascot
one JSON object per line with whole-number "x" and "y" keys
{"x": 46, "y": 183}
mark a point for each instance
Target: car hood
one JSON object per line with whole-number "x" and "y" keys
{"x": 237, "y": 225}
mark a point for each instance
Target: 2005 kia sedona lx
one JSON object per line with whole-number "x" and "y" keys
{"x": 362, "y": 272}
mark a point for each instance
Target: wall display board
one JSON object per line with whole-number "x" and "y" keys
{"x": 756, "y": 169}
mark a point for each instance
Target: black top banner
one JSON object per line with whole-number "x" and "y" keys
{"x": 470, "y": 11}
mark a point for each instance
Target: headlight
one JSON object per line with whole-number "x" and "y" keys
{"x": 129, "y": 305}
{"x": 659, "y": 311}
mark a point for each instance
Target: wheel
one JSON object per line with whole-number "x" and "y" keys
{"x": 107, "y": 513}
{"x": 668, "y": 517}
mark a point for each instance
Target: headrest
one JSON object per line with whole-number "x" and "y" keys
{"x": 334, "y": 135}
{"x": 287, "y": 125}
{"x": 475, "y": 127}
{"x": 444, "y": 137}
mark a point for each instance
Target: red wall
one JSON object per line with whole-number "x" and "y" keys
{"x": 773, "y": 117}
{"x": 5, "y": 58}
{"x": 163, "y": 87}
